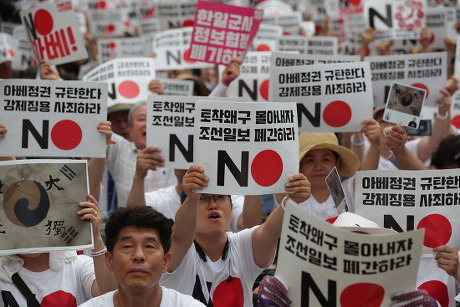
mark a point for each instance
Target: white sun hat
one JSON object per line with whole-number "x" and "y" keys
{"x": 356, "y": 223}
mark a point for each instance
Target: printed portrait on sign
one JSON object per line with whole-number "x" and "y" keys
{"x": 39, "y": 204}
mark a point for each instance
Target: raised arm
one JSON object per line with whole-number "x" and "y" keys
{"x": 372, "y": 132}
{"x": 48, "y": 71}
{"x": 231, "y": 72}
{"x": 265, "y": 237}
{"x": 396, "y": 140}
{"x": 185, "y": 221}
{"x": 447, "y": 259}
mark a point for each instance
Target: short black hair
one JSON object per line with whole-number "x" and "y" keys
{"x": 140, "y": 217}
{"x": 447, "y": 153}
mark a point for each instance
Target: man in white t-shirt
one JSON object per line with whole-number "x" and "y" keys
{"x": 138, "y": 243}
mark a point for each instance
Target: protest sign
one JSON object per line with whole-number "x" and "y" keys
{"x": 455, "y": 110}
{"x": 24, "y": 56}
{"x": 8, "y": 46}
{"x": 52, "y": 119}
{"x": 172, "y": 50}
{"x": 128, "y": 47}
{"x": 289, "y": 22}
{"x": 176, "y": 15}
{"x": 427, "y": 71}
{"x": 283, "y": 59}
{"x": 223, "y": 32}
{"x": 274, "y": 8}
{"x": 174, "y": 87}
{"x": 52, "y": 30}
{"x": 109, "y": 23}
{"x": 441, "y": 22}
{"x": 128, "y": 79}
{"x": 330, "y": 98}
{"x": 172, "y": 117}
{"x": 149, "y": 27}
{"x": 247, "y": 148}
{"x": 253, "y": 81}
{"x": 336, "y": 189}
{"x": 325, "y": 45}
{"x": 395, "y": 19}
{"x": 266, "y": 37}
{"x": 407, "y": 200}
{"x": 323, "y": 265}
{"x": 39, "y": 203}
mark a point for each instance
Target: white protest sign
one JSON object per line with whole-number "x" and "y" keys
{"x": 247, "y": 148}
{"x": 407, "y": 200}
{"x": 289, "y": 22}
{"x": 329, "y": 97}
{"x": 455, "y": 110}
{"x": 253, "y": 81}
{"x": 274, "y": 8}
{"x": 172, "y": 50}
{"x": 8, "y": 46}
{"x": 395, "y": 19}
{"x": 172, "y": 117}
{"x": 441, "y": 22}
{"x": 128, "y": 47}
{"x": 149, "y": 26}
{"x": 323, "y": 265}
{"x": 266, "y": 37}
{"x": 53, "y": 31}
{"x": 52, "y": 119}
{"x": 324, "y": 45}
{"x": 176, "y": 15}
{"x": 174, "y": 87}
{"x": 427, "y": 71}
{"x": 457, "y": 60}
{"x": 39, "y": 200}
{"x": 128, "y": 79}
{"x": 24, "y": 55}
{"x": 109, "y": 23}
{"x": 283, "y": 59}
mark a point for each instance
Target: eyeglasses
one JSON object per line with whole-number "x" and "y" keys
{"x": 218, "y": 199}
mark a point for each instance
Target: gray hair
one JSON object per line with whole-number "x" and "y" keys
{"x": 133, "y": 109}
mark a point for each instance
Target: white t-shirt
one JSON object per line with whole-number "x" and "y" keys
{"x": 209, "y": 280}
{"x": 170, "y": 298}
{"x": 436, "y": 281}
{"x": 385, "y": 164}
{"x": 68, "y": 287}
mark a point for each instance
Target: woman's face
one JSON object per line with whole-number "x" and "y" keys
{"x": 317, "y": 164}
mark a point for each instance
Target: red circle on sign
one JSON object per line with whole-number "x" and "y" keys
{"x": 438, "y": 230}
{"x": 264, "y": 89}
{"x": 337, "y": 113}
{"x": 112, "y": 45}
{"x": 128, "y": 89}
{"x": 187, "y": 23}
{"x": 186, "y": 57}
{"x": 110, "y": 28}
{"x": 423, "y": 87}
{"x": 263, "y": 47}
{"x": 43, "y": 22}
{"x": 437, "y": 290}
{"x": 456, "y": 121}
{"x": 266, "y": 168}
{"x": 126, "y": 23}
{"x": 362, "y": 294}
{"x": 11, "y": 52}
{"x": 101, "y": 5}
{"x": 285, "y": 33}
{"x": 229, "y": 293}
{"x": 354, "y": 2}
{"x": 66, "y": 134}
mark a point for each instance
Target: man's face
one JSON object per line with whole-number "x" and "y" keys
{"x": 139, "y": 128}
{"x": 138, "y": 258}
{"x": 317, "y": 164}
{"x": 120, "y": 126}
{"x": 214, "y": 216}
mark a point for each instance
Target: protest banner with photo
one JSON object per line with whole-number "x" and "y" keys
{"x": 336, "y": 189}
{"x": 39, "y": 204}
{"x": 8, "y": 47}
{"x": 323, "y": 265}
{"x": 176, "y": 15}
{"x": 404, "y": 105}
{"x": 173, "y": 118}
{"x": 427, "y": 71}
{"x": 172, "y": 48}
{"x": 52, "y": 119}
{"x": 289, "y": 22}
{"x": 266, "y": 37}
{"x": 109, "y": 23}
{"x": 128, "y": 79}
{"x": 174, "y": 87}
{"x": 406, "y": 200}
{"x": 284, "y": 59}
{"x": 329, "y": 97}
{"x": 127, "y": 47}
{"x": 395, "y": 19}
{"x": 53, "y": 31}
{"x": 253, "y": 81}
{"x": 24, "y": 55}
{"x": 223, "y": 32}
{"x": 235, "y": 142}
{"x": 324, "y": 45}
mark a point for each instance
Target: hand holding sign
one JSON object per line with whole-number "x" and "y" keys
{"x": 194, "y": 179}
{"x": 298, "y": 187}
{"x": 48, "y": 71}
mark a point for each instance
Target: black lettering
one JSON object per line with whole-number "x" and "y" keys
{"x": 223, "y": 160}
{"x": 174, "y": 141}
{"x": 170, "y": 55}
{"x": 313, "y": 119}
{"x": 42, "y": 139}
{"x": 251, "y": 93}
{"x": 308, "y": 283}
{"x": 386, "y": 20}
{"x": 390, "y": 222}
{"x": 30, "y": 27}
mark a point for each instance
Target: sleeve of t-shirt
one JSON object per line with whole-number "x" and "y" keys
{"x": 113, "y": 152}
{"x": 85, "y": 269}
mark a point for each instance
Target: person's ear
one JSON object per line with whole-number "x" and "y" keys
{"x": 108, "y": 261}
{"x": 167, "y": 261}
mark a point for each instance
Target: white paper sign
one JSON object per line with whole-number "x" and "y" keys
{"x": 52, "y": 119}
{"x": 176, "y": 15}
{"x": 235, "y": 142}
{"x": 266, "y": 37}
{"x": 129, "y": 47}
{"x": 173, "y": 87}
{"x": 324, "y": 45}
{"x": 455, "y": 110}
{"x": 289, "y": 22}
{"x": 283, "y": 59}
{"x": 39, "y": 200}
{"x": 8, "y": 46}
{"x": 427, "y": 71}
{"x": 109, "y": 23}
{"x": 53, "y": 32}
{"x": 407, "y": 200}
{"x": 329, "y": 97}
{"x": 24, "y": 56}
{"x": 323, "y": 265}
